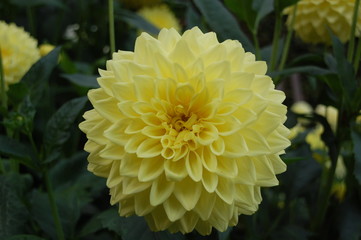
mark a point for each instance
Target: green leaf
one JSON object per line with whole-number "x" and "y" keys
{"x": 313, "y": 70}
{"x": 192, "y": 17}
{"x": 68, "y": 206}
{"x": 250, "y": 11}
{"x": 128, "y": 228}
{"x": 293, "y": 232}
{"x": 263, "y": 8}
{"x": 32, "y": 3}
{"x": 344, "y": 68}
{"x": 356, "y": 139}
{"x": 25, "y": 237}
{"x": 57, "y": 130}
{"x": 225, "y": 235}
{"x": 13, "y": 148}
{"x": 137, "y": 21}
{"x": 223, "y": 22}
{"x": 82, "y": 80}
{"x": 37, "y": 77}
{"x": 13, "y": 213}
{"x": 350, "y": 221}
{"x": 282, "y": 4}
{"x": 290, "y": 160}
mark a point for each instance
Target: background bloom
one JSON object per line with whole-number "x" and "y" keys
{"x": 315, "y": 17}
{"x": 45, "y": 48}
{"x": 18, "y": 52}
{"x": 160, "y": 16}
{"x": 186, "y": 130}
{"x": 140, "y": 3}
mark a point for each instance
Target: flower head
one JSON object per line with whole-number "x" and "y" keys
{"x": 314, "y": 19}
{"x": 160, "y": 16}
{"x": 45, "y": 48}
{"x": 18, "y": 52}
{"x": 140, "y": 3}
{"x": 186, "y": 130}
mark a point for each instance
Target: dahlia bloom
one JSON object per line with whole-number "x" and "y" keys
{"x": 140, "y": 3}
{"x": 160, "y": 16}
{"x": 315, "y": 17}
{"x": 318, "y": 147}
{"x": 45, "y": 49}
{"x": 18, "y": 52}
{"x": 186, "y": 130}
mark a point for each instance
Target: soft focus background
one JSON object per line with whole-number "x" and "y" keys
{"x": 43, "y": 168}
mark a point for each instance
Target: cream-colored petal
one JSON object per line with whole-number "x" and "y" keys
{"x": 173, "y": 209}
{"x": 161, "y": 190}
{"x": 150, "y": 169}
{"x": 194, "y": 166}
{"x": 188, "y": 192}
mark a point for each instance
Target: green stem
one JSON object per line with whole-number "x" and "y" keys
{"x": 287, "y": 43}
{"x": 256, "y": 45}
{"x": 353, "y": 30}
{"x": 2, "y": 169}
{"x": 30, "y": 16}
{"x": 3, "y": 96}
{"x": 111, "y": 26}
{"x": 54, "y": 208}
{"x": 276, "y": 37}
{"x": 356, "y": 62}
{"x": 326, "y": 186}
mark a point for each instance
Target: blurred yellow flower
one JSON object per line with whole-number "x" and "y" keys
{"x": 45, "y": 48}
{"x": 186, "y": 130}
{"x": 18, "y": 52}
{"x": 160, "y": 16}
{"x": 330, "y": 113}
{"x": 315, "y": 17}
{"x": 140, "y": 3}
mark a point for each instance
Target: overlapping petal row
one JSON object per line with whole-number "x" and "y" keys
{"x": 316, "y": 18}
{"x": 18, "y": 52}
{"x": 186, "y": 130}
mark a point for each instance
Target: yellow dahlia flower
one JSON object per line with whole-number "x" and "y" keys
{"x": 45, "y": 48}
{"x": 330, "y": 113}
{"x": 160, "y": 16}
{"x": 18, "y": 52}
{"x": 186, "y": 130}
{"x": 315, "y": 17}
{"x": 140, "y": 3}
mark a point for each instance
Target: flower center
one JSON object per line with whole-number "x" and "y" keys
{"x": 181, "y": 134}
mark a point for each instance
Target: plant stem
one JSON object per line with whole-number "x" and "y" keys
{"x": 276, "y": 36}
{"x": 256, "y": 45}
{"x": 356, "y": 62}
{"x": 2, "y": 168}
{"x": 111, "y": 26}
{"x": 54, "y": 208}
{"x": 30, "y": 16}
{"x": 353, "y": 30}
{"x": 287, "y": 43}
{"x": 326, "y": 186}
{"x": 3, "y": 96}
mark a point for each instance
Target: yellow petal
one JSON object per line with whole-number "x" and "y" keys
{"x": 205, "y": 205}
{"x": 194, "y": 166}
{"x": 209, "y": 181}
{"x": 149, "y": 148}
{"x": 175, "y": 170}
{"x": 150, "y": 169}
{"x": 142, "y": 205}
{"x": 173, "y": 209}
{"x": 225, "y": 190}
{"x": 187, "y": 192}
{"x": 161, "y": 190}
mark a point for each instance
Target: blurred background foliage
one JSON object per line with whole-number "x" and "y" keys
{"x": 43, "y": 165}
